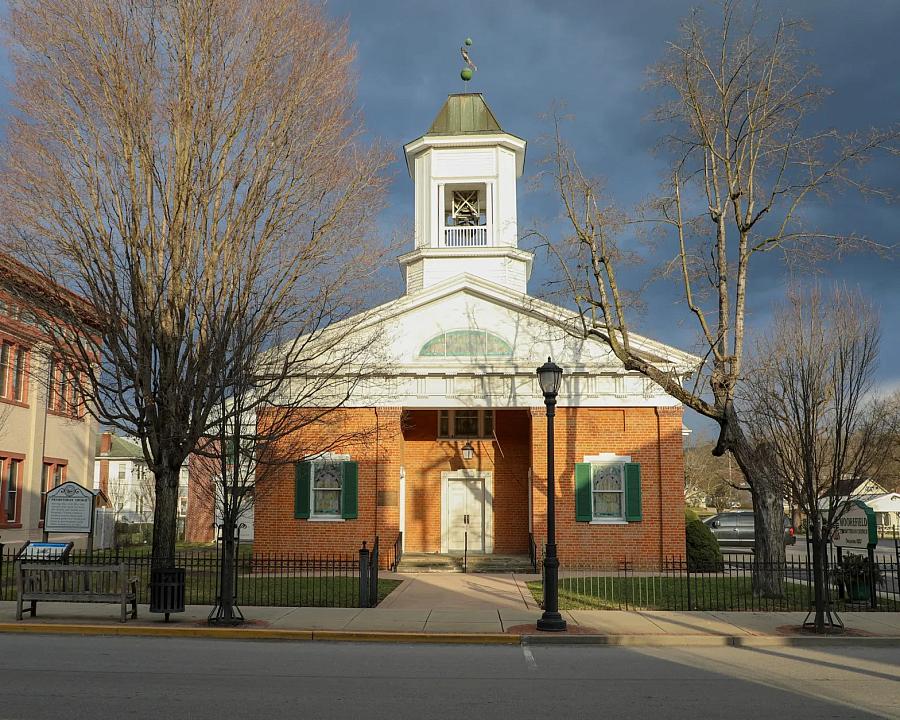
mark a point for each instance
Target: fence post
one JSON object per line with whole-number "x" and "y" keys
{"x": 373, "y": 574}
{"x": 687, "y": 568}
{"x": 364, "y": 576}
{"x": 873, "y": 593}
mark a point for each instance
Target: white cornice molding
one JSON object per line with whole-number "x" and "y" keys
{"x": 427, "y": 142}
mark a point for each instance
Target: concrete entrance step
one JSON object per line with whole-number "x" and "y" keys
{"x": 436, "y": 562}
{"x": 499, "y": 564}
{"x": 429, "y": 562}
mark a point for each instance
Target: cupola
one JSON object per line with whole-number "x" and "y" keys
{"x": 464, "y": 171}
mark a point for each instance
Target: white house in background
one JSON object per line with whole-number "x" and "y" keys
{"x": 122, "y": 473}
{"x": 885, "y": 504}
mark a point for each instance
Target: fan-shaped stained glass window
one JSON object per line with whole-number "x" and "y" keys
{"x": 466, "y": 343}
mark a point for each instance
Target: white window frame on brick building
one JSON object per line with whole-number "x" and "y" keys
{"x": 606, "y": 460}
{"x": 448, "y": 425}
{"x": 348, "y": 505}
{"x": 316, "y": 492}
{"x": 597, "y": 469}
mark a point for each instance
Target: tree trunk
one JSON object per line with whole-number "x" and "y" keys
{"x": 226, "y": 579}
{"x": 768, "y": 526}
{"x": 768, "y": 510}
{"x": 819, "y": 549}
{"x": 165, "y": 511}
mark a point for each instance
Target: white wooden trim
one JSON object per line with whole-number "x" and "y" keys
{"x": 607, "y": 458}
{"x": 464, "y": 474}
{"x": 403, "y": 508}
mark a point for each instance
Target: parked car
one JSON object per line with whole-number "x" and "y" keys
{"x": 736, "y": 529}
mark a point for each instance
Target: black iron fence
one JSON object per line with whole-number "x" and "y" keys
{"x": 263, "y": 579}
{"x": 854, "y": 585}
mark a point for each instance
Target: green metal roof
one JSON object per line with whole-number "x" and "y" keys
{"x": 122, "y": 448}
{"x": 464, "y": 113}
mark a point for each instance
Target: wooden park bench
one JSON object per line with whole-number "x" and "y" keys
{"x": 46, "y": 582}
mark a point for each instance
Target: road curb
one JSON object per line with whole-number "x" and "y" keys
{"x": 418, "y": 637}
{"x": 630, "y": 640}
{"x": 739, "y": 641}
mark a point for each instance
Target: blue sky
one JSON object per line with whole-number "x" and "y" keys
{"x": 592, "y": 55}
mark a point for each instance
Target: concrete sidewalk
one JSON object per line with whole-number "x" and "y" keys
{"x": 499, "y": 624}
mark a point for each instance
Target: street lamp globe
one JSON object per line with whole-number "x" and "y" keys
{"x": 550, "y": 377}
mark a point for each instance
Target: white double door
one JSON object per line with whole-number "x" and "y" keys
{"x": 465, "y": 499}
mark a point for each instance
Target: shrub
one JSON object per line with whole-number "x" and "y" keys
{"x": 690, "y": 515}
{"x": 703, "y": 554}
{"x": 857, "y": 570}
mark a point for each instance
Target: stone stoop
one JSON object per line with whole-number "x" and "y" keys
{"x": 429, "y": 562}
{"x": 436, "y": 562}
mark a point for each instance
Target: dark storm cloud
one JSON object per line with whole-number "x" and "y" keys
{"x": 593, "y": 57}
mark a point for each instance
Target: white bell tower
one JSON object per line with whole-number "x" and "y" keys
{"x": 465, "y": 169}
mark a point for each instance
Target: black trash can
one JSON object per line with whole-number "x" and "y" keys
{"x": 167, "y": 590}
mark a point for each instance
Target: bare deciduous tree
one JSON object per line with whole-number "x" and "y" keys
{"x": 178, "y": 164}
{"x": 810, "y": 414}
{"x": 708, "y": 478}
{"x": 744, "y": 170}
{"x": 288, "y": 391}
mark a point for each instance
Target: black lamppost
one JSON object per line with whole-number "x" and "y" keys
{"x": 550, "y": 376}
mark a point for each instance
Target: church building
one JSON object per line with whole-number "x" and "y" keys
{"x": 455, "y": 452}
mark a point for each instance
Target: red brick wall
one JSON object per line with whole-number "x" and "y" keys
{"x": 384, "y": 440}
{"x": 507, "y": 457}
{"x": 200, "y": 519}
{"x": 652, "y": 437}
{"x": 372, "y": 437}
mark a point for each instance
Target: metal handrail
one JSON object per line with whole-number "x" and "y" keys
{"x": 398, "y": 552}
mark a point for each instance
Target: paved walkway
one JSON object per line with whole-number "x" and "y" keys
{"x": 459, "y": 591}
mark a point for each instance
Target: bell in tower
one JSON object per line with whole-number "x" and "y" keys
{"x": 465, "y": 170}
{"x": 466, "y": 209}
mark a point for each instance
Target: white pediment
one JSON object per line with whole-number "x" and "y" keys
{"x": 468, "y": 342}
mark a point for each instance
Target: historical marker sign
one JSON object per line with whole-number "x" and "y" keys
{"x": 856, "y": 527}
{"x": 69, "y": 509}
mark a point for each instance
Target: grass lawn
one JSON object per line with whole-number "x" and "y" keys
{"x": 302, "y": 590}
{"x": 665, "y": 593}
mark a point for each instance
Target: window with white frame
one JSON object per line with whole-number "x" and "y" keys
{"x": 608, "y": 490}
{"x": 467, "y": 423}
{"x": 10, "y": 490}
{"x": 325, "y": 488}
{"x": 13, "y": 362}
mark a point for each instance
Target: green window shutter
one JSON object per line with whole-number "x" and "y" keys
{"x": 302, "y": 473}
{"x": 349, "y": 492}
{"x": 584, "y": 511}
{"x": 633, "y": 492}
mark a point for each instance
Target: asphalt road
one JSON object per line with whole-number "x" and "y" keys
{"x": 884, "y": 551}
{"x": 95, "y": 677}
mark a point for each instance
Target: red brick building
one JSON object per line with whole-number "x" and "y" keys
{"x": 449, "y": 448}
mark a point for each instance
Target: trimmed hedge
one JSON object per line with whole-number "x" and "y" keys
{"x": 703, "y": 553}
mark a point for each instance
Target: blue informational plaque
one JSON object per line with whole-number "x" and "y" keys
{"x": 45, "y": 551}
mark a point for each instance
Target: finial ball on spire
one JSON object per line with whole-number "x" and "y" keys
{"x": 466, "y": 74}
{"x": 468, "y": 41}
